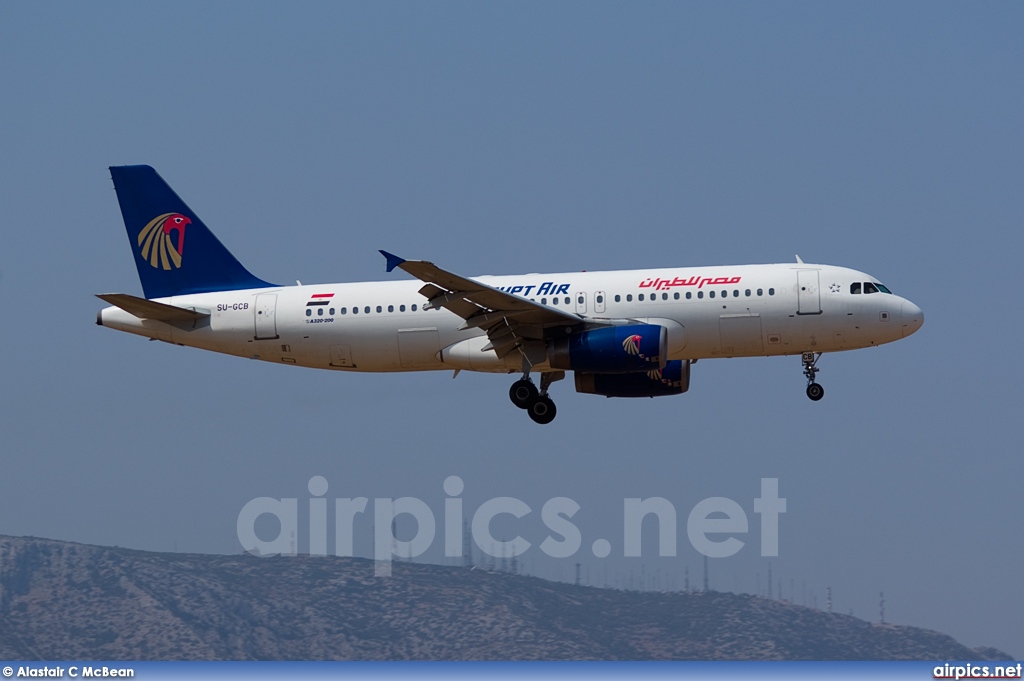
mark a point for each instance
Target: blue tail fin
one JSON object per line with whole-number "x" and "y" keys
{"x": 174, "y": 251}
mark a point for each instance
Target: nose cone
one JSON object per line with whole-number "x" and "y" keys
{"x": 913, "y": 318}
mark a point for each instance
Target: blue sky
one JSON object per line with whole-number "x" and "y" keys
{"x": 531, "y": 137}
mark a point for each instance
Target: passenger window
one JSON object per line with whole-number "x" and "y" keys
{"x": 332, "y": 311}
{"x": 640, "y": 297}
{"x": 380, "y": 309}
{"x": 711, "y": 294}
{"x": 629, "y": 297}
{"x": 664, "y": 296}
{"x": 401, "y": 308}
{"x": 771, "y": 292}
{"x": 735, "y": 293}
{"x": 747, "y": 293}
{"x": 579, "y": 300}
{"x": 366, "y": 309}
{"x": 760, "y": 292}
{"x": 543, "y": 301}
{"x": 309, "y": 312}
{"x": 600, "y": 299}
{"x": 554, "y": 301}
{"x": 855, "y": 288}
{"x": 355, "y": 310}
{"x": 676, "y": 295}
{"x": 700, "y": 294}
{"x": 391, "y": 308}
{"x": 567, "y": 300}
{"x": 689, "y": 294}
{"x": 725, "y": 294}
{"x": 869, "y": 287}
{"x": 320, "y": 312}
{"x": 413, "y": 308}
{"x": 618, "y": 298}
{"x": 344, "y": 310}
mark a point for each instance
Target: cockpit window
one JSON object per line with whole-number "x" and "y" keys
{"x": 870, "y": 288}
{"x": 882, "y": 288}
{"x": 855, "y": 287}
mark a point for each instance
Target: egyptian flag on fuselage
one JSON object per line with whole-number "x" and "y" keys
{"x": 319, "y": 299}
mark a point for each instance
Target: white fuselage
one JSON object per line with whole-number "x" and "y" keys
{"x": 734, "y": 311}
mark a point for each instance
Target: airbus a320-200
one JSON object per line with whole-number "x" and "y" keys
{"x": 626, "y": 333}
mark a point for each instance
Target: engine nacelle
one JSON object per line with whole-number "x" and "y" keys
{"x": 674, "y": 379}
{"x": 611, "y": 350}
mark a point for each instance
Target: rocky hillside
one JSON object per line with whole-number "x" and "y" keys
{"x": 60, "y": 600}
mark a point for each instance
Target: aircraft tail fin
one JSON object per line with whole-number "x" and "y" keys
{"x": 175, "y": 253}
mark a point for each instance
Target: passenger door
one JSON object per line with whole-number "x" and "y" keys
{"x": 807, "y": 293}
{"x": 265, "y": 316}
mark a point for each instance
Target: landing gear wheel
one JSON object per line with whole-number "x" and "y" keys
{"x": 815, "y": 391}
{"x": 542, "y": 410}
{"x": 810, "y": 361}
{"x": 523, "y": 393}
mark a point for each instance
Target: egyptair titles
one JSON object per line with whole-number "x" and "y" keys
{"x": 659, "y": 284}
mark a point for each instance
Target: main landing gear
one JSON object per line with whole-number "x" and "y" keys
{"x": 538, "y": 405}
{"x": 810, "y": 360}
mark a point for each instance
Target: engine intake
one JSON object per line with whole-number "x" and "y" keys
{"x": 611, "y": 350}
{"x": 674, "y": 379}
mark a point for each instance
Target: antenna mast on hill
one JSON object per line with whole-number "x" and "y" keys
{"x": 881, "y": 607}
{"x": 705, "y": 574}
{"x": 828, "y": 599}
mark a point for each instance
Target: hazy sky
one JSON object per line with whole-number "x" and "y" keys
{"x": 501, "y": 138}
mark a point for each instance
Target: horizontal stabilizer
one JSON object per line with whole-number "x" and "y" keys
{"x": 149, "y": 309}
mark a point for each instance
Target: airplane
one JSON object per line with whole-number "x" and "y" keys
{"x": 626, "y": 333}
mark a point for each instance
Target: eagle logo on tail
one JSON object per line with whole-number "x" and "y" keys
{"x": 155, "y": 240}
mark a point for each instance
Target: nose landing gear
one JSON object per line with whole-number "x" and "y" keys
{"x": 538, "y": 405}
{"x": 810, "y": 360}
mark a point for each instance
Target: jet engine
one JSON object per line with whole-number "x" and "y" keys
{"x": 611, "y": 350}
{"x": 674, "y": 379}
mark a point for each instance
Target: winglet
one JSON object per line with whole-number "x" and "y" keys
{"x": 799, "y": 261}
{"x": 393, "y": 260}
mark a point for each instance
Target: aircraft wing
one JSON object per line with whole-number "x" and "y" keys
{"x": 507, "y": 319}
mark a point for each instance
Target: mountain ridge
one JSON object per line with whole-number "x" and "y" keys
{"x": 62, "y": 600}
